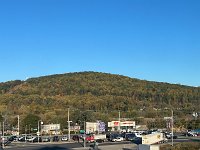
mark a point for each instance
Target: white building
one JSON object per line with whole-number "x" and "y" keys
{"x": 124, "y": 126}
{"x": 50, "y": 129}
{"x": 92, "y": 127}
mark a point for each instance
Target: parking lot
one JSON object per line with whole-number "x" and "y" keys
{"x": 62, "y": 143}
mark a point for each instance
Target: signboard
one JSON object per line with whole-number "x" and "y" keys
{"x": 167, "y": 118}
{"x": 116, "y": 123}
{"x": 121, "y": 124}
{"x": 101, "y": 126}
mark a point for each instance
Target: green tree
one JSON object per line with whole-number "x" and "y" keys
{"x": 30, "y": 121}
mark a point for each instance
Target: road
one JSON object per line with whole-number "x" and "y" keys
{"x": 42, "y": 146}
{"x": 125, "y": 145}
{"x": 68, "y": 146}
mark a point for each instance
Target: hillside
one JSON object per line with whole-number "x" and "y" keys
{"x": 101, "y": 93}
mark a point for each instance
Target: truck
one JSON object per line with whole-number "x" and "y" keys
{"x": 154, "y": 138}
{"x": 96, "y": 137}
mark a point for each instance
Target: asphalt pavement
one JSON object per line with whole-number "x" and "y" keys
{"x": 79, "y": 146}
{"x": 70, "y": 146}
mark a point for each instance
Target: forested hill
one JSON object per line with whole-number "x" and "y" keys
{"x": 99, "y": 92}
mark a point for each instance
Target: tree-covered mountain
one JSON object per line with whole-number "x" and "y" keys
{"x": 101, "y": 94}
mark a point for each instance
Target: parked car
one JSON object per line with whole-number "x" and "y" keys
{"x": 191, "y": 133}
{"x": 169, "y": 136}
{"x": 137, "y": 140}
{"x": 21, "y": 139}
{"x": 55, "y": 139}
{"x": 64, "y": 138}
{"x": 118, "y": 139}
{"x": 45, "y": 139}
{"x": 75, "y": 137}
{"x": 30, "y": 139}
{"x": 130, "y": 136}
{"x": 36, "y": 139}
{"x": 99, "y": 140}
{"x": 12, "y": 138}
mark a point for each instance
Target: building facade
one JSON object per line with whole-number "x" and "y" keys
{"x": 51, "y": 129}
{"x": 122, "y": 126}
{"x": 95, "y": 127}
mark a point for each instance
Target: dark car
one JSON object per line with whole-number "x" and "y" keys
{"x": 55, "y": 139}
{"x": 46, "y": 139}
{"x": 75, "y": 137}
{"x": 130, "y": 136}
{"x": 137, "y": 140}
{"x": 99, "y": 140}
{"x": 169, "y": 136}
{"x": 12, "y": 138}
{"x": 36, "y": 139}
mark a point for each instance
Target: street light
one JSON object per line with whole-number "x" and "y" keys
{"x": 172, "y": 127}
{"x": 18, "y": 124}
{"x": 119, "y": 125}
{"x": 84, "y": 135}
{"x": 68, "y": 125}
{"x": 25, "y": 133}
{"x": 3, "y": 140}
{"x": 39, "y": 122}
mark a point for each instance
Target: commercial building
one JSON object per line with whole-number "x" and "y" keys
{"x": 125, "y": 126}
{"x": 50, "y": 129}
{"x": 95, "y": 127}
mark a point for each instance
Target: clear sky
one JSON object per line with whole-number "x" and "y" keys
{"x": 155, "y": 40}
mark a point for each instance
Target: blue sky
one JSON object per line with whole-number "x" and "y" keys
{"x": 156, "y": 40}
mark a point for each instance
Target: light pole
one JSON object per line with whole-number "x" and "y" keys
{"x": 119, "y": 125}
{"x": 25, "y": 132}
{"x": 68, "y": 125}
{"x": 18, "y": 124}
{"x": 39, "y": 122}
{"x": 3, "y": 141}
{"x": 172, "y": 127}
{"x": 84, "y": 136}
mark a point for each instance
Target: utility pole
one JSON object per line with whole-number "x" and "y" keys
{"x": 18, "y": 124}
{"x": 38, "y": 133}
{"x": 172, "y": 127}
{"x": 3, "y": 141}
{"x": 68, "y": 126}
{"x": 25, "y": 132}
{"x": 0, "y": 129}
{"x": 119, "y": 122}
{"x": 84, "y": 135}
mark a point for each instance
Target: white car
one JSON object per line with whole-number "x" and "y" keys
{"x": 30, "y": 139}
{"x": 118, "y": 139}
{"x": 137, "y": 134}
{"x": 64, "y": 138}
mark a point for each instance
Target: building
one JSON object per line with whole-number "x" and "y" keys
{"x": 125, "y": 126}
{"x": 95, "y": 127}
{"x": 50, "y": 129}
